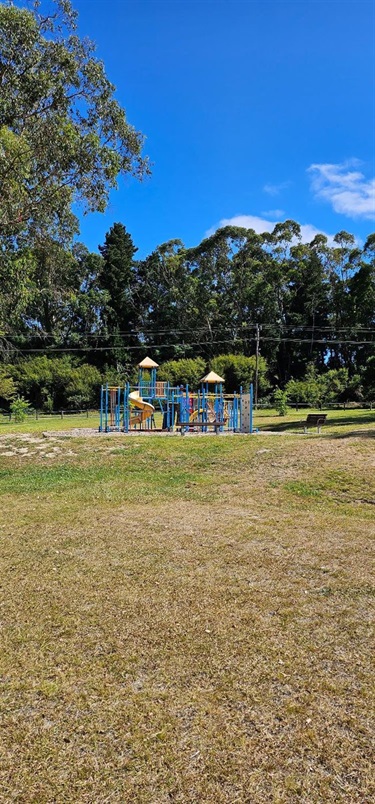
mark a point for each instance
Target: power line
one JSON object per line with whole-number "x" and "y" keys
{"x": 203, "y": 330}
{"x": 324, "y": 342}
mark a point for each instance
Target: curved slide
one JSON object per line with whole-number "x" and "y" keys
{"x": 145, "y": 409}
{"x": 211, "y": 414}
{"x": 210, "y": 418}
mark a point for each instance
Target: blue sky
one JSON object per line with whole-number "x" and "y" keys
{"x": 254, "y": 112}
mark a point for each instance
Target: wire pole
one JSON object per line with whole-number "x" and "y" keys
{"x": 258, "y": 328}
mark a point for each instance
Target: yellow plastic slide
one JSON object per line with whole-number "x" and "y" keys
{"x": 211, "y": 414}
{"x": 194, "y": 415}
{"x": 145, "y": 409}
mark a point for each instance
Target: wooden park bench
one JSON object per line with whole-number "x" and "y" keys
{"x": 314, "y": 420}
{"x": 192, "y": 425}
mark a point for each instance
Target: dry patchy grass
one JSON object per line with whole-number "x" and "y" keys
{"x": 187, "y": 620}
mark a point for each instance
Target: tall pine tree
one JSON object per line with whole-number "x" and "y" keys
{"x": 117, "y": 278}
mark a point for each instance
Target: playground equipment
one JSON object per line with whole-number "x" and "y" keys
{"x": 146, "y": 410}
{"x": 127, "y": 409}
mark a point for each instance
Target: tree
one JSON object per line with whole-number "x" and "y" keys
{"x": 318, "y": 389}
{"x": 239, "y": 370}
{"x": 211, "y": 266}
{"x": 63, "y": 135}
{"x": 369, "y": 379}
{"x": 186, "y": 371}
{"x": 54, "y": 382}
{"x": 7, "y": 385}
{"x": 164, "y": 302}
{"x": 65, "y": 303}
{"x": 117, "y": 280}
{"x": 116, "y": 276}
{"x": 17, "y": 268}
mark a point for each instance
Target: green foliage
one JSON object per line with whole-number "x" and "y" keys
{"x": 280, "y": 398}
{"x": 239, "y": 370}
{"x": 82, "y": 390}
{"x": 319, "y": 389}
{"x": 19, "y": 409}
{"x": 369, "y": 379}
{"x": 52, "y": 383}
{"x": 116, "y": 280}
{"x": 7, "y": 384}
{"x": 183, "y": 372}
{"x": 63, "y": 136}
{"x": 65, "y": 139}
{"x": 314, "y": 304}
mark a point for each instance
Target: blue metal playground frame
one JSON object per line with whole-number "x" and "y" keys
{"x": 176, "y": 404}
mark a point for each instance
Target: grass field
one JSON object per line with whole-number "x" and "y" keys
{"x": 188, "y": 620}
{"x": 263, "y": 419}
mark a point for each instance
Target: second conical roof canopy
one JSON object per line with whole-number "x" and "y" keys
{"x": 212, "y": 377}
{"x": 148, "y": 363}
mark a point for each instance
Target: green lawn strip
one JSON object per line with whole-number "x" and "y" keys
{"x": 337, "y": 420}
{"x": 266, "y": 419}
{"x": 47, "y": 422}
{"x": 144, "y": 468}
{"x": 337, "y": 486}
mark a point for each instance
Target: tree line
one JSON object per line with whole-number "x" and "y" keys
{"x": 70, "y": 318}
{"x": 82, "y": 316}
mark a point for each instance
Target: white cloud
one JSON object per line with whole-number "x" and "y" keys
{"x": 346, "y": 189}
{"x": 274, "y": 213}
{"x": 260, "y": 225}
{"x": 276, "y": 189}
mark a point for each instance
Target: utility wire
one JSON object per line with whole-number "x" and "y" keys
{"x": 203, "y": 330}
{"x": 185, "y": 346}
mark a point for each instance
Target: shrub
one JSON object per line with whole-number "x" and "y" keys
{"x": 19, "y": 409}
{"x": 83, "y": 388}
{"x": 280, "y": 398}
{"x": 187, "y": 371}
{"x": 318, "y": 389}
{"x": 239, "y": 370}
{"x": 52, "y": 383}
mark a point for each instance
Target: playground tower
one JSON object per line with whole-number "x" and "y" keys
{"x": 129, "y": 408}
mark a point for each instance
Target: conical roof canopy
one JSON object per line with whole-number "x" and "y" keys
{"x": 212, "y": 377}
{"x": 148, "y": 363}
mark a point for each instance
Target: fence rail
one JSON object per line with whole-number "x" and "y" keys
{"x": 268, "y": 405}
{"x": 33, "y": 413}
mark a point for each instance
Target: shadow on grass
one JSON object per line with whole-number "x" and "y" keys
{"x": 352, "y": 433}
{"x": 331, "y": 421}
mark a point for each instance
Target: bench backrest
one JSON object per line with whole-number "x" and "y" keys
{"x": 314, "y": 418}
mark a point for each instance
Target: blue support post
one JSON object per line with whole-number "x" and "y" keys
{"x": 184, "y": 409}
{"x": 101, "y": 410}
{"x": 169, "y": 409}
{"x": 118, "y": 408}
{"x": 106, "y": 409}
{"x": 221, "y": 406}
{"x": 251, "y": 392}
{"x": 124, "y": 410}
{"x": 205, "y": 406}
